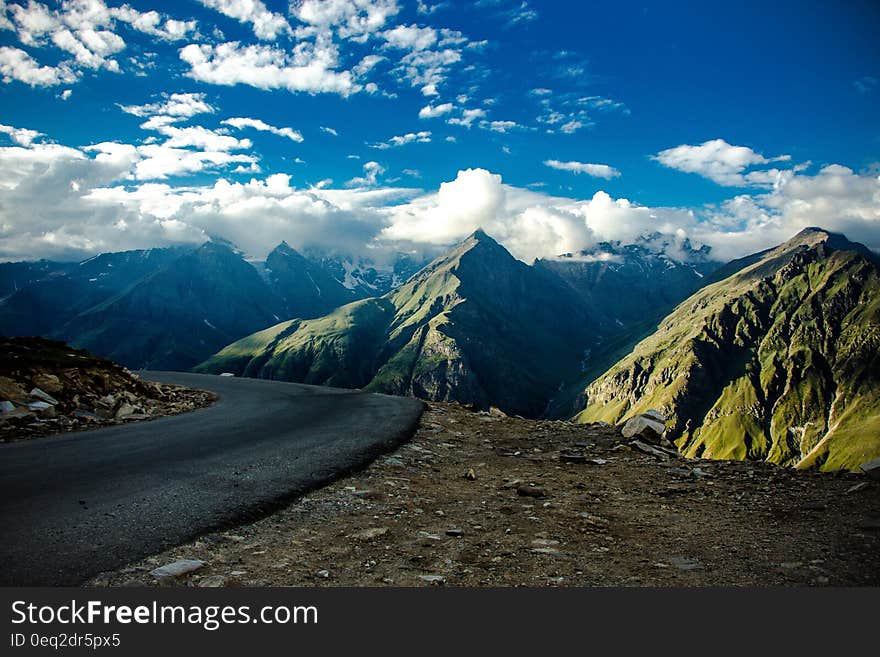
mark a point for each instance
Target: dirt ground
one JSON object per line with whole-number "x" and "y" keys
{"x": 484, "y": 500}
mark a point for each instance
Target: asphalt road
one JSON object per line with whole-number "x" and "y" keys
{"x": 75, "y": 505}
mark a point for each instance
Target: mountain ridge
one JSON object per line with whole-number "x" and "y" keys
{"x": 776, "y": 361}
{"x": 454, "y": 331}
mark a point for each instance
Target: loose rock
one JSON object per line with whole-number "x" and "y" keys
{"x": 177, "y": 568}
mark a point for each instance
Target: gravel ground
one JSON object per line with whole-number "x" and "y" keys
{"x": 486, "y": 500}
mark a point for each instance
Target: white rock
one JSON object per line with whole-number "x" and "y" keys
{"x": 177, "y": 568}
{"x": 36, "y": 393}
{"x": 125, "y": 409}
{"x": 654, "y": 414}
{"x": 227, "y": 374}
{"x": 644, "y": 427}
{"x": 6, "y": 406}
{"x": 39, "y": 406}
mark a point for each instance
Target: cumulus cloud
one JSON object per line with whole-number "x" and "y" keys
{"x": 16, "y": 64}
{"x": 21, "y": 136}
{"x": 84, "y": 30}
{"x": 265, "y": 24}
{"x": 309, "y": 68}
{"x": 722, "y": 163}
{"x": 835, "y": 198}
{"x": 467, "y": 117}
{"x": 433, "y": 111}
{"x": 60, "y": 201}
{"x": 410, "y": 37}
{"x": 530, "y": 224}
{"x": 351, "y": 19}
{"x": 500, "y": 126}
{"x": 596, "y": 170}
{"x": 241, "y": 123}
{"x": 372, "y": 171}
{"x": 178, "y": 106}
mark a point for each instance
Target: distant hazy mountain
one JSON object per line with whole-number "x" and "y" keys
{"x": 625, "y": 285}
{"x": 476, "y": 325}
{"x": 365, "y": 277}
{"x": 172, "y": 308}
{"x": 38, "y": 298}
{"x": 777, "y": 360}
{"x": 171, "y": 317}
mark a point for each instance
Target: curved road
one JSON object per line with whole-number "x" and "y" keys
{"x": 75, "y": 505}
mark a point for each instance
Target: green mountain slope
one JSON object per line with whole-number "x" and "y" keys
{"x": 475, "y": 325}
{"x": 779, "y": 360}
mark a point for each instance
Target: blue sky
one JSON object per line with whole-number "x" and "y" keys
{"x": 360, "y": 124}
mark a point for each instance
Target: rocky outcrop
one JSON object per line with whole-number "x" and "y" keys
{"x": 48, "y": 387}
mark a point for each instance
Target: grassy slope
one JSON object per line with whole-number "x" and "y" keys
{"x": 778, "y": 361}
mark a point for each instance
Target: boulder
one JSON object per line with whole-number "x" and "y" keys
{"x": 43, "y": 396}
{"x": 48, "y": 382}
{"x": 654, "y": 414}
{"x": 644, "y": 427}
{"x": 177, "y": 568}
{"x": 6, "y": 406}
{"x": 871, "y": 468}
{"x": 125, "y": 410}
{"x": 12, "y": 391}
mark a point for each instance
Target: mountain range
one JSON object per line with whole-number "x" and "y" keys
{"x": 170, "y": 308}
{"x": 777, "y": 359}
{"x": 475, "y": 325}
{"x": 773, "y": 356}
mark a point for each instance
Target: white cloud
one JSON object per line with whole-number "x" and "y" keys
{"x": 421, "y": 137}
{"x": 84, "y": 29}
{"x": 722, "y": 163}
{"x": 499, "y": 126}
{"x": 372, "y": 171}
{"x": 21, "y": 136}
{"x": 161, "y": 161}
{"x": 354, "y": 19}
{"x": 308, "y": 68}
{"x": 66, "y": 94}
{"x": 433, "y": 111}
{"x": 836, "y": 198}
{"x": 241, "y": 123}
{"x": 16, "y": 64}
{"x": 468, "y": 116}
{"x": 266, "y": 24}
{"x": 178, "y": 106}
{"x": 329, "y": 131}
{"x": 530, "y": 224}
{"x": 199, "y": 137}
{"x": 595, "y": 170}
{"x": 62, "y": 201}
{"x": 410, "y": 37}
{"x": 154, "y": 23}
